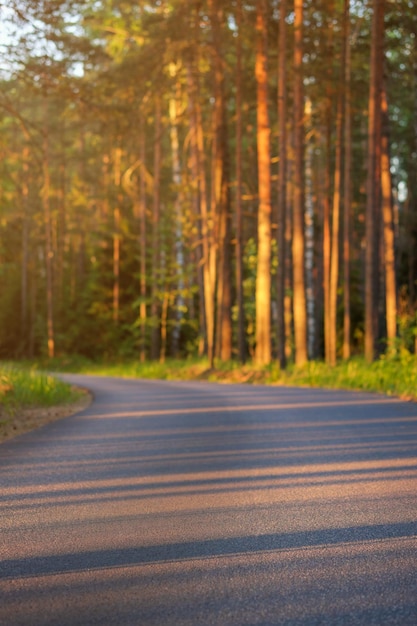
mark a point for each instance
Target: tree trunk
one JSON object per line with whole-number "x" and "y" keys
{"x": 282, "y": 183}
{"x": 156, "y": 215}
{"x": 263, "y": 275}
{"x": 347, "y": 188}
{"x": 372, "y": 200}
{"x": 327, "y": 176}
{"x": 389, "y": 246}
{"x": 46, "y": 191}
{"x": 116, "y": 235}
{"x": 220, "y": 192}
{"x": 142, "y": 239}
{"x": 208, "y": 244}
{"x": 176, "y": 177}
{"x": 337, "y": 195}
{"x": 300, "y": 322}
{"x": 239, "y": 220}
{"x": 25, "y": 250}
{"x": 309, "y": 239}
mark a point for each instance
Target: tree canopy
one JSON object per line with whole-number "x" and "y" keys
{"x": 230, "y": 178}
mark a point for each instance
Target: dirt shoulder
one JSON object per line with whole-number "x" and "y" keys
{"x": 24, "y": 420}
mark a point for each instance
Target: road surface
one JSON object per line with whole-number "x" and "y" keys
{"x": 194, "y": 503}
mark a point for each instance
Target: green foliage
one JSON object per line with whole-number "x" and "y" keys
{"x": 96, "y": 98}
{"x": 22, "y": 386}
{"x": 393, "y": 376}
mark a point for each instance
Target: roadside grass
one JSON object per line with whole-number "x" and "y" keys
{"x": 22, "y": 386}
{"x": 396, "y": 375}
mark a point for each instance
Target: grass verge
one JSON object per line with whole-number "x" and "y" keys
{"x": 29, "y": 387}
{"x": 30, "y": 398}
{"x": 392, "y": 376}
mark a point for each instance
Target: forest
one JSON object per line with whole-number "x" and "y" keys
{"x": 228, "y": 178}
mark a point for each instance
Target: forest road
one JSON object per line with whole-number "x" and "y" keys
{"x": 188, "y": 503}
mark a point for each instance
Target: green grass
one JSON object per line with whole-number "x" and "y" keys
{"x": 23, "y": 386}
{"x": 393, "y": 376}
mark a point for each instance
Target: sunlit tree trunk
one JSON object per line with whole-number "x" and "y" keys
{"x": 46, "y": 191}
{"x": 282, "y": 183}
{"x": 327, "y": 176}
{"x": 309, "y": 237}
{"x": 411, "y": 201}
{"x": 156, "y": 216}
{"x": 337, "y": 195}
{"x": 208, "y": 247}
{"x": 263, "y": 274}
{"x": 300, "y": 321}
{"x": 142, "y": 238}
{"x": 116, "y": 235}
{"x": 389, "y": 244}
{"x": 61, "y": 233}
{"x": 347, "y": 187}
{"x": 239, "y": 221}
{"x": 176, "y": 177}
{"x": 24, "y": 317}
{"x": 220, "y": 191}
{"x": 372, "y": 200}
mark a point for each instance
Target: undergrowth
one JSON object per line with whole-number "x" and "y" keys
{"x": 396, "y": 375}
{"x": 23, "y": 386}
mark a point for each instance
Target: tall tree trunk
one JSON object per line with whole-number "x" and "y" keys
{"x": 201, "y": 244}
{"x": 389, "y": 245}
{"x": 24, "y": 317}
{"x": 220, "y": 191}
{"x": 263, "y": 274}
{"x": 239, "y": 220}
{"x": 327, "y": 177}
{"x": 156, "y": 216}
{"x": 347, "y": 187}
{"x": 116, "y": 235}
{"x": 373, "y": 195}
{"x": 300, "y": 321}
{"x": 207, "y": 218}
{"x": 282, "y": 183}
{"x": 337, "y": 195}
{"x": 142, "y": 238}
{"x": 176, "y": 176}
{"x": 46, "y": 191}
{"x": 309, "y": 238}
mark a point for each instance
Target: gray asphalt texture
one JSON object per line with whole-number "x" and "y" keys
{"x": 195, "y": 503}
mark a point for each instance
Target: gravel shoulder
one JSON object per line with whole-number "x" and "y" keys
{"x": 21, "y": 421}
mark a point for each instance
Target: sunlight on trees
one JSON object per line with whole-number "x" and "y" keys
{"x": 237, "y": 179}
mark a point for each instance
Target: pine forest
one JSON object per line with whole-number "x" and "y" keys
{"x": 228, "y": 178}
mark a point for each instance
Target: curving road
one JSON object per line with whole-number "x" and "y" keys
{"x": 194, "y": 503}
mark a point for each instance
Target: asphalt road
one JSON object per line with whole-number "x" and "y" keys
{"x": 194, "y": 503}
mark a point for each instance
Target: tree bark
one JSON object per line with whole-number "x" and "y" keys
{"x": 309, "y": 237}
{"x": 347, "y": 188}
{"x": 24, "y": 317}
{"x": 176, "y": 177}
{"x": 239, "y": 218}
{"x": 220, "y": 191}
{"x": 208, "y": 251}
{"x": 389, "y": 244}
{"x": 300, "y": 321}
{"x": 327, "y": 177}
{"x": 337, "y": 195}
{"x": 156, "y": 215}
{"x": 142, "y": 239}
{"x": 373, "y": 195}
{"x": 263, "y": 273}
{"x": 116, "y": 234}
{"x": 48, "y": 239}
{"x": 282, "y": 183}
